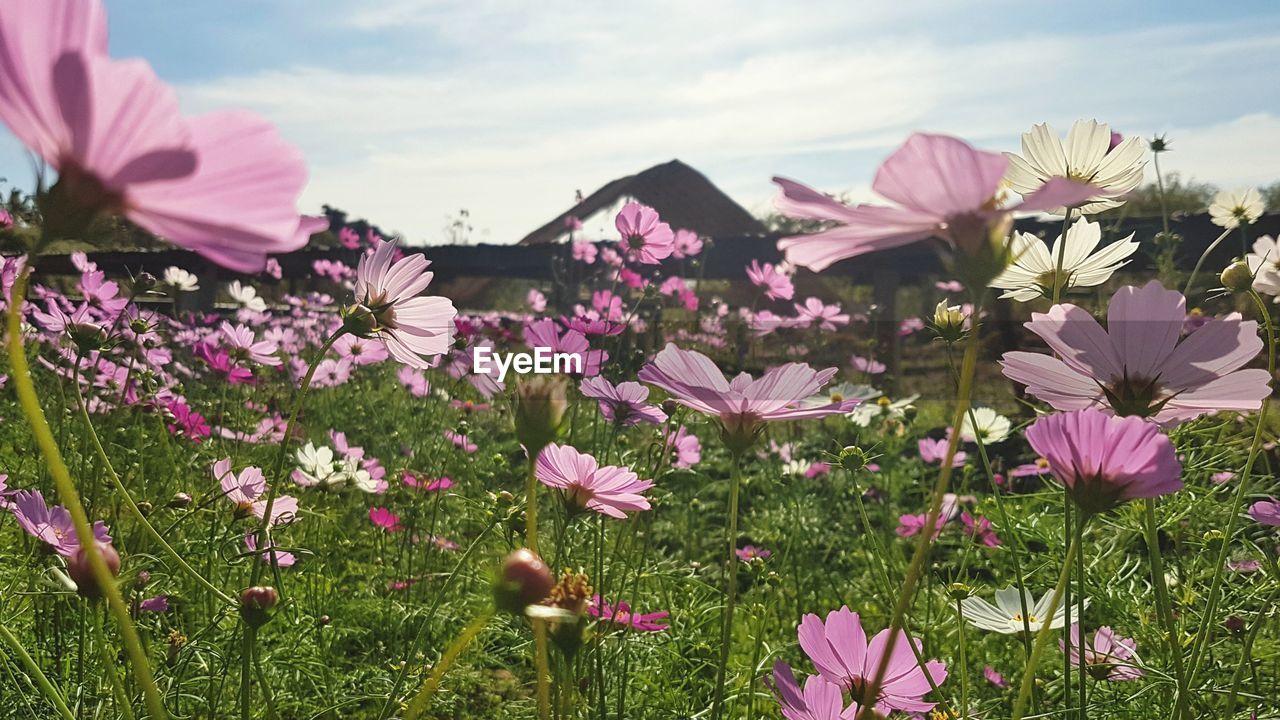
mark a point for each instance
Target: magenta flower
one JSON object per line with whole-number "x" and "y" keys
{"x": 50, "y": 525}
{"x": 220, "y": 361}
{"x": 610, "y": 490}
{"x": 816, "y": 312}
{"x": 623, "y": 403}
{"x": 434, "y": 485}
{"x": 686, "y": 244}
{"x": 645, "y": 238}
{"x": 1105, "y": 460}
{"x": 544, "y": 334}
{"x": 224, "y": 184}
{"x": 943, "y": 188}
{"x": 414, "y": 328}
{"x": 980, "y": 529}
{"x": 461, "y": 442}
{"x": 1141, "y": 365}
{"x": 747, "y": 553}
{"x": 622, "y": 615}
{"x": 385, "y": 519}
{"x": 776, "y": 285}
{"x": 157, "y": 604}
{"x": 687, "y": 447}
{"x": 745, "y": 404}
{"x": 186, "y": 422}
{"x": 245, "y": 344}
{"x": 584, "y": 252}
{"x": 841, "y": 653}
{"x": 994, "y": 677}
{"x": 1266, "y": 512}
{"x": 1108, "y": 656}
{"x": 819, "y": 700}
{"x": 934, "y": 452}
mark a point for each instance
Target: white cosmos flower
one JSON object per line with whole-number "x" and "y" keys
{"x": 246, "y": 297}
{"x": 796, "y": 467}
{"x": 1232, "y": 208}
{"x": 841, "y": 392}
{"x": 881, "y": 409}
{"x": 1264, "y": 263}
{"x": 351, "y": 471}
{"x": 991, "y": 426}
{"x": 316, "y": 467}
{"x": 180, "y": 279}
{"x": 1005, "y": 616}
{"x": 1034, "y": 265}
{"x": 1086, "y": 156}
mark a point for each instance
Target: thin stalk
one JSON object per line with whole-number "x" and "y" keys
{"x": 46, "y": 687}
{"x": 1042, "y": 637}
{"x": 1246, "y": 651}
{"x": 731, "y": 592}
{"x": 459, "y": 644}
{"x": 531, "y": 504}
{"x": 1215, "y": 589}
{"x": 29, "y": 401}
{"x": 916, "y": 568}
{"x": 109, "y": 666}
{"x": 1080, "y": 654}
{"x": 1165, "y": 607}
{"x": 964, "y": 665}
{"x": 1164, "y": 205}
{"x": 1059, "y": 282}
{"x": 1200, "y": 263}
{"x": 540, "y": 667}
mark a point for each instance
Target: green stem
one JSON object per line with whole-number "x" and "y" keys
{"x": 109, "y": 666}
{"x": 731, "y": 591}
{"x": 46, "y": 687}
{"x": 1200, "y": 262}
{"x": 531, "y": 503}
{"x": 1059, "y": 282}
{"x": 1042, "y": 637}
{"x": 964, "y": 665}
{"x": 1247, "y": 650}
{"x": 70, "y": 498}
{"x": 540, "y": 667}
{"x": 916, "y": 568}
{"x": 459, "y": 644}
{"x": 1080, "y": 654}
{"x": 1165, "y": 607}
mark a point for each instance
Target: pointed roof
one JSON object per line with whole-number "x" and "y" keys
{"x": 683, "y": 197}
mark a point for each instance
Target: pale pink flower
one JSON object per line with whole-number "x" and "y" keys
{"x": 271, "y": 556}
{"x": 816, "y": 312}
{"x": 943, "y": 188}
{"x": 866, "y": 365}
{"x": 243, "y": 489}
{"x": 1141, "y": 364}
{"x": 584, "y": 251}
{"x": 776, "y": 285}
{"x": 744, "y": 404}
{"x": 536, "y": 300}
{"x": 1266, "y": 512}
{"x": 935, "y": 451}
{"x": 645, "y": 238}
{"x": 1105, "y": 460}
{"x": 820, "y": 699}
{"x": 415, "y": 380}
{"x": 1108, "y": 656}
{"x": 624, "y": 403}
{"x": 50, "y": 525}
{"x": 687, "y": 244}
{"x": 413, "y": 327}
{"x": 223, "y": 184}
{"x": 434, "y": 485}
{"x": 609, "y": 490}
{"x": 544, "y": 334}
{"x": 840, "y": 651}
{"x": 243, "y": 341}
{"x": 284, "y": 510}
{"x": 362, "y": 351}
{"x": 687, "y": 447}
{"x": 461, "y": 442}
{"x": 994, "y": 677}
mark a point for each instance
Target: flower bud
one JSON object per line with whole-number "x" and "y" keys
{"x": 1213, "y": 539}
{"x": 852, "y": 458}
{"x": 145, "y": 508}
{"x": 80, "y": 570}
{"x": 540, "y": 406}
{"x": 1237, "y": 277}
{"x": 670, "y": 406}
{"x": 959, "y": 591}
{"x": 144, "y": 282}
{"x": 180, "y": 500}
{"x": 323, "y": 621}
{"x": 524, "y": 580}
{"x": 255, "y": 602}
{"x": 948, "y": 321}
{"x": 142, "y": 579}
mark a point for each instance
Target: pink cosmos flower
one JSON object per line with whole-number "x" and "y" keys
{"x": 415, "y": 380}
{"x": 980, "y": 529}
{"x": 747, "y": 553}
{"x": 645, "y": 237}
{"x": 744, "y": 404}
{"x": 543, "y": 334}
{"x": 242, "y": 339}
{"x": 271, "y": 556}
{"x": 943, "y": 188}
{"x": 461, "y": 442}
{"x": 536, "y": 300}
{"x": 623, "y": 403}
{"x": 572, "y": 223}
{"x": 157, "y": 604}
{"x": 349, "y": 238}
{"x": 934, "y": 452}
{"x": 414, "y": 328}
{"x": 584, "y": 251}
{"x": 1108, "y": 656}
{"x": 1105, "y": 460}
{"x": 994, "y": 677}
{"x": 820, "y": 699}
{"x": 243, "y": 489}
{"x": 867, "y": 365}
{"x": 841, "y": 653}
{"x": 688, "y": 449}
{"x": 50, "y": 525}
{"x": 283, "y": 511}
{"x": 1266, "y": 512}
{"x": 1141, "y": 365}
{"x": 1039, "y": 467}
{"x": 433, "y": 485}
{"x": 622, "y": 615}
{"x": 610, "y": 490}
{"x": 385, "y": 519}
{"x": 776, "y": 285}
{"x": 6, "y": 220}
{"x": 686, "y": 244}
{"x": 273, "y": 269}
{"x": 816, "y": 312}
{"x": 224, "y": 184}
{"x": 910, "y": 326}
{"x": 186, "y": 422}
{"x": 361, "y": 351}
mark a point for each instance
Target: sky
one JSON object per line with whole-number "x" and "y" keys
{"x": 411, "y": 110}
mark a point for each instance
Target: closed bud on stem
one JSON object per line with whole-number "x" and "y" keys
{"x": 540, "y": 407}
{"x": 180, "y": 500}
{"x": 81, "y": 571}
{"x": 948, "y": 321}
{"x": 524, "y": 580}
{"x": 255, "y": 604}
{"x": 1237, "y": 277}
{"x": 852, "y": 458}
{"x": 144, "y": 282}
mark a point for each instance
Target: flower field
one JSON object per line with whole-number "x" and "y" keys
{"x": 633, "y": 495}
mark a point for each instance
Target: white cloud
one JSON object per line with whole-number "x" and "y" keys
{"x": 526, "y": 106}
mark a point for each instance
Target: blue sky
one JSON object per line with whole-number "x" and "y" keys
{"x": 409, "y": 110}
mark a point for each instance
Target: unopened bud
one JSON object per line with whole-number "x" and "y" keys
{"x": 959, "y": 591}
{"x": 1237, "y": 277}
{"x": 540, "y": 406}
{"x": 180, "y": 500}
{"x": 524, "y": 580}
{"x": 144, "y": 282}
{"x": 852, "y": 458}
{"x": 255, "y": 604}
{"x": 81, "y": 571}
